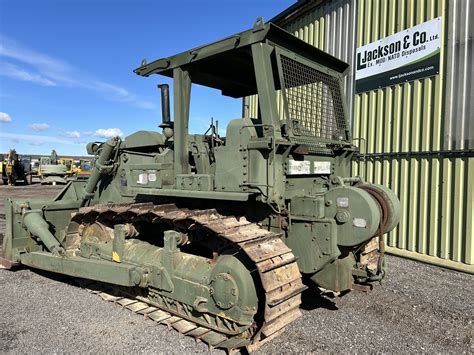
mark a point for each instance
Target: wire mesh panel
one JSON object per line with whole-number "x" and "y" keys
{"x": 314, "y": 101}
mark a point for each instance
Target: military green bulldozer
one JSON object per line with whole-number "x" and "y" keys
{"x": 51, "y": 171}
{"x": 214, "y": 235}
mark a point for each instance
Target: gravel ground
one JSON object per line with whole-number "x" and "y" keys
{"x": 418, "y": 308}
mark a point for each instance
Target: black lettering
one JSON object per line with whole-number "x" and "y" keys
{"x": 406, "y": 42}
{"x": 361, "y": 64}
{"x": 416, "y": 38}
{"x": 423, "y": 37}
{"x": 419, "y": 38}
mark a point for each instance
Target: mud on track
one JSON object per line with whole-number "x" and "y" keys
{"x": 419, "y": 308}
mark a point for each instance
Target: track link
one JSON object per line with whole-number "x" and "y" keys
{"x": 276, "y": 265}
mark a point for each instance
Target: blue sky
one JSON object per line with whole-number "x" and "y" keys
{"x": 66, "y": 66}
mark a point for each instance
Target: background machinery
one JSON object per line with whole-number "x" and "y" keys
{"x": 83, "y": 169}
{"x": 213, "y": 235}
{"x": 69, "y": 164}
{"x": 34, "y": 166}
{"x": 15, "y": 168}
{"x": 52, "y": 170}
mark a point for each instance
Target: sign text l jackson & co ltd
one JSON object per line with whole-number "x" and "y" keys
{"x": 407, "y": 55}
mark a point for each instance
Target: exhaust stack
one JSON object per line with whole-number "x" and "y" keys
{"x": 166, "y": 123}
{"x": 165, "y": 104}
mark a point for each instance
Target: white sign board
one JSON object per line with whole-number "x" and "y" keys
{"x": 296, "y": 167}
{"x": 407, "y": 55}
{"x": 322, "y": 167}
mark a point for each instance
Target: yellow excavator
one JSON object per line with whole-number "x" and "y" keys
{"x": 69, "y": 164}
{"x": 83, "y": 169}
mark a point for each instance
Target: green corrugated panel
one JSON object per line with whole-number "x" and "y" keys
{"x": 437, "y": 195}
{"x": 423, "y": 207}
{"x": 459, "y": 205}
{"x": 469, "y": 250}
{"x": 253, "y": 106}
{"x": 434, "y": 229}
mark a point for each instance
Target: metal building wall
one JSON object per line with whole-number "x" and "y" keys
{"x": 459, "y": 95}
{"x": 408, "y": 134}
{"x": 417, "y": 138}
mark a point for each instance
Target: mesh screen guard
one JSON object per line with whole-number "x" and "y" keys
{"x": 314, "y": 101}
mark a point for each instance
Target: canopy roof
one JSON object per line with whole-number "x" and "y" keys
{"x": 227, "y": 64}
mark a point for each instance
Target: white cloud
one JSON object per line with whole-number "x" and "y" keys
{"x": 10, "y": 49}
{"x": 13, "y": 71}
{"x": 38, "y": 126}
{"x": 49, "y": 71}
{"x": 71, "y": 134}
{"x": 107, "y": 132}
{"x": 5, "y": 117}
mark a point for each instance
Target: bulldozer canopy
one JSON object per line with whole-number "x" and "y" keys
{"x": 227, "y": 64}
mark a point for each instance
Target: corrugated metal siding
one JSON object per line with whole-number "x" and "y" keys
{"x": 459, "y": 96}
{"x": 431, "y": 114}
{"x": 437, "y": 198}
{"x": 436, "y": 193}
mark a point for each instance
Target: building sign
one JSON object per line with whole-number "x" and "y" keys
{"x": 404, "y": 56}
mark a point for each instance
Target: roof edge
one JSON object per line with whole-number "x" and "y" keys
{"x": 296, "y": 10}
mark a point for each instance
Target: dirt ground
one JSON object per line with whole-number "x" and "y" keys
{"x": 418, "y": 308}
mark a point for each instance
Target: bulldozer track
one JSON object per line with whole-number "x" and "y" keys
{"x": 272, "y": 259}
